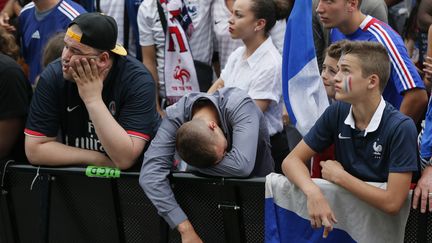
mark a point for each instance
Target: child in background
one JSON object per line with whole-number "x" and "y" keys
{"x": 329, "y": 70}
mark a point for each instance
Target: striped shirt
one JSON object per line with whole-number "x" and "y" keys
{"x": 34, "y": 33}
{"x": 404, "y": 75}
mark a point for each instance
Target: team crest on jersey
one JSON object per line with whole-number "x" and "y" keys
{"x": 112, "y": 108}
{"x": 377, "y": 149}
{"x": 192, "y": 7}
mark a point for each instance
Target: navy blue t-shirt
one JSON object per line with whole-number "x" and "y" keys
{"x": 128, "y": 93}
{"x": 390, "y": 148}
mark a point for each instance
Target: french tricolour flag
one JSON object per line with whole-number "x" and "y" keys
{"x": 304, "y": 93}
{"x": 287, "y": 220}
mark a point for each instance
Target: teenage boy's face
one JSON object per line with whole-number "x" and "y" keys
{"x": 350, "y": 85}
{"x": 333, "y": 13}
{"x": 329, "y": 70}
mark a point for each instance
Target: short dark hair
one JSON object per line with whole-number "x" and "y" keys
{"x": 195, "y": 144}
{"x": 335, "y": 50}
{"x": 373, "y": 57}
{"x": 271, "y": 10}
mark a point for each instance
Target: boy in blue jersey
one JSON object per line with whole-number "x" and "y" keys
{"x": 405, "y": 89}
{"x": 38, "y": 21}
{"x": 373, "y": 141}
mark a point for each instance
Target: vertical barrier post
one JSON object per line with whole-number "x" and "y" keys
{"x": 9, "y": 233}
{"x": 228, "y": 203}
{"x": 117, "y": 208}
{"x": 44, "y": 203}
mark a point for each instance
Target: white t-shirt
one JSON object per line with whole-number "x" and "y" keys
{"x": 115, "y": 9}
{"x": 261, "y": 76}
{"x": 225, "y": 45}
{"x": 151, "y": 33}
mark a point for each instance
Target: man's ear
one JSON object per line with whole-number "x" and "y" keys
{"x": 104, "y": 58}
{"x": 212, "y": 125}
{"x": 374, "y": 81}
{"x": 352, "y": 5}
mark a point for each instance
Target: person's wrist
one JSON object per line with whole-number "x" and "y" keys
{"x": 93, "y": 103}
{"x": 339, "y": 177}
{"x": 427, "y": 169}
{"x": 311, "y": 190}
{"x": 185, "y": 227}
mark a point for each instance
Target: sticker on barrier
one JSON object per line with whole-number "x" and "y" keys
{"x": 102, "y": 172}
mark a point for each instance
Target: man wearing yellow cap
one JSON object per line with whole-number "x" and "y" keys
{"x": 95, "y": 105}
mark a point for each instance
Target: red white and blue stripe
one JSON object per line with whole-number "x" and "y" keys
{"x": 287, "y": 218}
{"x": 68, "y": 10}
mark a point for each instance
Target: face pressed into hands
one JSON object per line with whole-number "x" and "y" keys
{"x": 220, "y": 142}
{"x": 73, "y": 54}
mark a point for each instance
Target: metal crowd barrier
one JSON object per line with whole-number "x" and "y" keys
{"x": 64, "y": 205}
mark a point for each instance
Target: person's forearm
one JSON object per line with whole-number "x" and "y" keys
{"x": 240, "y": 160}
{"x": 53, "y": 153}
{"x": 151, "y": 66}
{"x": 388, "y": 200}
{"x": 116, "y": 142}
{"x": 149, "y": 61}
{"x": 297, "y": 172}
{"x": 414, "y": 104}
{"x": 155, "y": 170}
{"x": 216, "y": 85}
{"x": 263, "y": 104}
{"x": 187, "y": 232}
{"x": 9, "y": 8}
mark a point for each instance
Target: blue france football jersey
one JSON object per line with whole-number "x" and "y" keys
{"x": 404, "y": 75}
{"x": 34, "y": 33}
